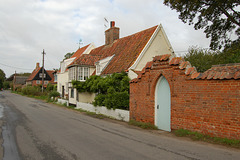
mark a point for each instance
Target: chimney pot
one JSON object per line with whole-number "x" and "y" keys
{"x": 112, "y": 24}
{"x": 37, "y": 65}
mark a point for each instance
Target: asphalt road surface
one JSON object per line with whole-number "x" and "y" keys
{"x": 35, "y": 130}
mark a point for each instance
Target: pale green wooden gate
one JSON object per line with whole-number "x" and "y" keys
{"x": 163, "y": 105}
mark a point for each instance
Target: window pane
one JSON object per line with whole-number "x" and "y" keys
{"x": 72, "y": 93}
{"x": 81, "y": 73}
{"x": 85, "y": 73}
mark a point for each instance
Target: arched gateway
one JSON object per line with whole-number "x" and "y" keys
{"x": 163, "y": 105}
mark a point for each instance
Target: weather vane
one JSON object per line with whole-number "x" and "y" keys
{"x": 79, "y": 43}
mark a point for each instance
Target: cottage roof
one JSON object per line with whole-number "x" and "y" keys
{"x": 126, "y": 51}
{"x": 50, "y": 73}
{"x": 77, "y": 55}
{"x": 35, "y": 71}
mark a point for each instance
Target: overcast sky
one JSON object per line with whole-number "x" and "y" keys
{"x": 29, "y": 26}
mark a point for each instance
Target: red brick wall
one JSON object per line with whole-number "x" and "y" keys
{"x": 205, "y": 105}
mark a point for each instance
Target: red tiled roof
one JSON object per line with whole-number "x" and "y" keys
{"x": 125, "y": 51}
{"x": 223, "y": 71}
{"x": 78, "y": 54}
{"x": 50, "y": 73}
{"x": 80, "y": 51}
{"x": 35, "y": 71}
{"x": 87, "y": 59}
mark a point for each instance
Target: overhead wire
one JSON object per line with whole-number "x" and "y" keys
{"x": 14, "y": 67}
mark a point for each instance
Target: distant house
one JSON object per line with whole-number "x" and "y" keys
{"x": 129, "y": 54}
{"x": 36, "y": 77}
{"x": 63, "y": 75}
{"x": 17, "y": 80}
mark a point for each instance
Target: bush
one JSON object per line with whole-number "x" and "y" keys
{"x": 6, "y": 85}
{"x": 29, "y": 90}
{"x": 53, "y": 95}
{"x": 112, "y": 90}
{"x": 50, "y": 87}
{"x": 18, "y": 89}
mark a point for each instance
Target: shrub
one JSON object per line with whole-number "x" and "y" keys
{"x": 53, "y": 95}
{"x": 112, "y": 90}
{"x": 18, "y": 89}
{"x": 50, "y": 87}
{"x": 29, "y": 90}
{"x": 6, "y": 85}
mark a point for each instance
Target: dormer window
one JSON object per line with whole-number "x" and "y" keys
{"x": 98, "y": 69}
{"x": 101, "y": 64}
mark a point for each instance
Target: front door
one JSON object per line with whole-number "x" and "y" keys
{"x": 163, "y": 105}
{"x": 63, "y": 92}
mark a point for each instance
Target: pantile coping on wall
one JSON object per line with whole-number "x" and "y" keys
{"x": 216, "y": 72}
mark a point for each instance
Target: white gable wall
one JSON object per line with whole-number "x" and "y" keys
{"x": 157, "y": 45}
{"x": 62, "y": 81}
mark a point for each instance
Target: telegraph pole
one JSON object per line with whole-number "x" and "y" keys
{"x": 43, "y": 70}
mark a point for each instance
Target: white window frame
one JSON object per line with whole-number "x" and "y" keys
{"x": 46, "y": 82}
{"x": 40, "y": 75}
{"x": 98, "y": 69}
{"x": 38, "y": 82}
{"x": 72, "y": 93}
{"x": 83, "y": 73}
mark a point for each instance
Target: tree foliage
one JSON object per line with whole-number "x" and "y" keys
{"x": 203, "y": 59}
{"x": 112, "y": 90}
{"x": 68, "y": 55}
{"x": 2, "y": 78}
{"x": 6, "y": 85}
{"x": 218, "y": 18}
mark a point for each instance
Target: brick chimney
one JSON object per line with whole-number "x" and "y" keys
{"x": 37, "y": 65}
{"x": 111, "y": 34}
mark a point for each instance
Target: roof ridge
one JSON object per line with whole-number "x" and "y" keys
{"x": 139, "y": 32}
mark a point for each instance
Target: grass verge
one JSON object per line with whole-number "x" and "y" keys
{"x": 201, "y": 137}
{"x": 143, "y": 125}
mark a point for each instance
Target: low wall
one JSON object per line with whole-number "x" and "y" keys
{"x": 117, "y": 113}
{"x": 86, "y": 97}
{"x": 62, "y": 101}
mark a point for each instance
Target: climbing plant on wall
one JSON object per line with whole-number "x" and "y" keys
{"x": 111, "y": 91}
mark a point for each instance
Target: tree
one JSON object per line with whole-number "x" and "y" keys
{"x": 218, "y": 18}
{"x": 203, "y": 59}
{"x": 2, "y": 78}
{"x": 6, "y": 85}
{"x": 68, "y": 55}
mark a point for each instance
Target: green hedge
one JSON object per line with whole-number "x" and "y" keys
{"x": 112, "y": 91}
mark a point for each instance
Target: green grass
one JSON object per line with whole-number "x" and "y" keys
{"x": 201, "y": 137}
{"x": 142, "y": 125}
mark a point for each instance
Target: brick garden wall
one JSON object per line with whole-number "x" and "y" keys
{"x": 206, "y": 102}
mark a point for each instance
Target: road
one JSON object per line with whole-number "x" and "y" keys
{"x": 35, "y": 130}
